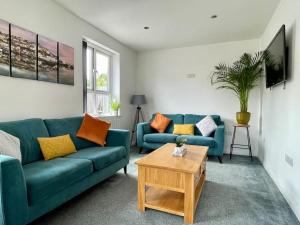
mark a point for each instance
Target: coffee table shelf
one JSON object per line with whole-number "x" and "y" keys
{"x": 165, "y": 200}
{"x": 170, "y": 201}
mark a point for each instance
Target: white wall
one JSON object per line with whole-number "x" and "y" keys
{"x": 162, "y": 76}
{"x": 281, "y": 109}
{"x": 21, "y": 98}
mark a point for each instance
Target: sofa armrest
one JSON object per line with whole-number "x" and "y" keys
{"x": 142, "y": 129}
{"x": 219, "y": 137}
{"x": 13, "y": 192}
{"x": 118, "y": 137}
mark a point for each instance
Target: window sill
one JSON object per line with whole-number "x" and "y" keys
{"x": 106, "y": 115}
{"x": 109, "y": 116}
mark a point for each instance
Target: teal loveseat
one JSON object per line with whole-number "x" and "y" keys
{"x": 36, "y": 186}
{"x": 148, "y": 138}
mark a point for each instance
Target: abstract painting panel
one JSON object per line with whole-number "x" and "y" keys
{"x": 66, "y": 64}
{"x": 47, "y": 59}
{"x": 23, "y": 53}
{"x": 4, "y": 48}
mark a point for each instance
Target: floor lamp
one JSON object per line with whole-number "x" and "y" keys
{"x": 137, "y": 100}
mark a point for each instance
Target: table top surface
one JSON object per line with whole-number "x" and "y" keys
{"x": 163, "y": 158}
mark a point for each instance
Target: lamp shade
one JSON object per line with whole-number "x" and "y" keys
{"x": 138, "y": 100}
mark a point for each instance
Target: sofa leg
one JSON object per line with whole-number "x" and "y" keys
{"x": 140, "y": 150}
{"x": 125, "y": 169}
{"x": 220, "y": 159}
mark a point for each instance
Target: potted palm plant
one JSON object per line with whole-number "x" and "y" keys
{"x": 241, "y": 78}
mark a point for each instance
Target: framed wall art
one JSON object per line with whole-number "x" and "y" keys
{"x": 4, "y": 48}
{"x": 23, "y": 53}
{"x": 47, "y": 59}
{"x": 65, "y": 64}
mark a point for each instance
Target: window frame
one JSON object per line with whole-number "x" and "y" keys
{"x": 94, "y": 90}
{"x": 104, "y": 52}
{"x": 93, "y": 63}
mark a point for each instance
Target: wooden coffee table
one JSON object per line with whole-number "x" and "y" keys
{"x": 172, "y": 184}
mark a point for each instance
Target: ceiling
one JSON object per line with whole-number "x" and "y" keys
{"x": 175, "y": 23}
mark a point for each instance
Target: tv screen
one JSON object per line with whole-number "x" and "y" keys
{"x": 276, "y": 63}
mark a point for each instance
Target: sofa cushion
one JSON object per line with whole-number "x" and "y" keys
{"x": 193, "y": 119}
{"x": 160, "y": 122}
{"x": 27, "y": 131}
{"x": 54, "y": 147}
{"x": 198, "y": 140}
{"x": 180, "y": 129}
{"x": 160, "y": 138}
{"x": 175, "y": 118}
{"x": 10, "y": 145}
{"x": 93, "y": 129}
{"x": 46, "y": 178}
{"x": 58, "y": 127}
{"x": 207, "y": 126}
{"x": 101, "y": 156}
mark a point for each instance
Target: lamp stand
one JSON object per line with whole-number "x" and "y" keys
{"x": 139, "y": 115}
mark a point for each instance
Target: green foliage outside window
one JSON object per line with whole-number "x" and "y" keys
{"x": 101, "y": 81}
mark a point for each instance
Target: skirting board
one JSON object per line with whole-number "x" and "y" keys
{"x": 291, "y": 199}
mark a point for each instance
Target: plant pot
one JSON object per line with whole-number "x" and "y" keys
{"x": 243, "y": 117}
{"x": 179, "y": 151}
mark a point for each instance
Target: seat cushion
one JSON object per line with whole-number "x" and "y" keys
{"x": 101, "y": 156}
{"x": 198, "y": 140}
{"x": 160, "y": 138}
{"x": 175, "y": 119}
{"x": 46, "y": 178}
{"x": 58, "y": 127}
{"x": 27, "y": 131}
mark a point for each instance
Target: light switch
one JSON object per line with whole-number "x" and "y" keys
{"x": 191, "y": 75}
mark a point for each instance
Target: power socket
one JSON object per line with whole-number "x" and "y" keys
{"x": 228, "y": 132}
{"x": 191, "y": 75}
{"x": 289, "y": 160}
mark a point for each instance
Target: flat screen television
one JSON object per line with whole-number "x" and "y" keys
{"x": 276, "y": 70}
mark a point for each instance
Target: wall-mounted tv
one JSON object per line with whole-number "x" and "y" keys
{"x": 276, "y": 70}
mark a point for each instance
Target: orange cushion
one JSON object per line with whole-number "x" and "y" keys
{"x": 93, "y": 129}
{"x": 160, "y": 122}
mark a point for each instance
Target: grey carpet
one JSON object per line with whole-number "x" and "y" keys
{"x": 236, "y": 192}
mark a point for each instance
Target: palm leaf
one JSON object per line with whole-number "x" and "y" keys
{"x": 241, "y": 77}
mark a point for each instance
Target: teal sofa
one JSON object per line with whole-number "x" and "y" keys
{"x": 148, "y": 138}
{"x": 36, "y": 186}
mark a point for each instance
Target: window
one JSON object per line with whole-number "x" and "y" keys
{"x": 100, "y": 77}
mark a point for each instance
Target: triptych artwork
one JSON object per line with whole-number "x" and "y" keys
{"x": 24, "y": 54}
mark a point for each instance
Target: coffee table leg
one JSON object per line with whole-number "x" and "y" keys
{"x": 189, "y": 199}
{"x": 141, "y": 188}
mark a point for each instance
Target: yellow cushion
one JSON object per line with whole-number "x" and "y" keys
{"x": 187, "y": 129}
{"x": 56, "y": 146}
